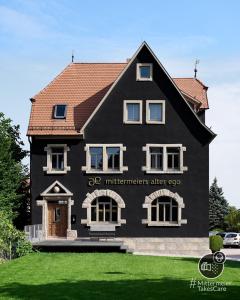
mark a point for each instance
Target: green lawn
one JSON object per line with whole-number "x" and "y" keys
{"x": 106, "y": 276}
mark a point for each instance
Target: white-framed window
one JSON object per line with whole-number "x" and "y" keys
{"x": 56, "y": 159}
{"x": 155, "y": 111}
{"x": 144, "y": 71}
{"x": 104, "y": 158}
{"x": 164, "y": 158}
{"x": 104, "y": 209}
{"x": 60, "y": 111}
{"x": 132, "y": 111}
{"x": 164, "y": 208}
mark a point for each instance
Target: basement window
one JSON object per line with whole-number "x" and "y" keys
{"x": 60, "y": 111}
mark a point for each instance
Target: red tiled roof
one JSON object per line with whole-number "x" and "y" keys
{"x": 82, "y": 86}
{"x": 194, "y": 88}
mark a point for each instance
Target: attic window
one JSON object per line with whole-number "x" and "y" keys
{"x": 60, "y": 111}
{"x": 144, "y": 72}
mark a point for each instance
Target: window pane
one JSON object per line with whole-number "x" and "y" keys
{"x": 57, "y": 150}
{"x": 113, "y": 154}
{"x": 145, "y": 71}
{"x": 154, "y": 213}
{"x": 167, "y": 212}
{"x": 174, "y": 214}
{"x": 60, "y": 111}
{"x": 54, "y": 161}
{"x": 107, "y": 213}
{"x": 96, "y": 154}
{"x": 173, "y": 159}
{"x": 161, "y": 212}
{"x": 57, "y": 214}
{"x": 155, "y": 112}
{"x": 156, "y": 158}
{"x": 93, "y": 214}
{"x": 114, "y": 214}
{"x": 133, "y": 111}
{"x": 100, "y": 212}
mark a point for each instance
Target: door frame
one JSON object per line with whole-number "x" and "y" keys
{"x": 59, "y": 194}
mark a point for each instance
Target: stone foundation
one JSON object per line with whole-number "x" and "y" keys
{"x": 168, "y": 246}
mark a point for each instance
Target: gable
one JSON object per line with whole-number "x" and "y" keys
{"x": 167, "y": 87}
{"x": 83, "y": 87}
{"x": 56, "y": 189}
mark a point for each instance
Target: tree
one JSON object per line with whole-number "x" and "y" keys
{"x": 12, "y": 172}
{"x": 218, "y": 206}
{"x": 232, "y": 219}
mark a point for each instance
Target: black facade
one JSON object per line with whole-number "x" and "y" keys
{"x": 182, "y": 126}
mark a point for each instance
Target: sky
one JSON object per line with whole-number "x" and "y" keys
{"x": 37, "y": 39}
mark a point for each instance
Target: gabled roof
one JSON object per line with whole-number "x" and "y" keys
{"x": 83, "y": 86}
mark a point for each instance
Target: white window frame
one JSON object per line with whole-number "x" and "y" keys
{"x": 104, "y": 212}
{"x": 55, "y": 111}
{"x": 48, "y": 169}
{"x": 147, "y": 167}
{"x": 103, "y": 226}
{"x": 125, "y": 111}
{"x": 162, "y": 102}
{"x": 138, "y": 73}
{"x": 105, "y": 169}
{"x": 163, "y": 193}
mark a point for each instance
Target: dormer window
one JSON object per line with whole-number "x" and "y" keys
{"x": 144, "y": 72}
{"x": 60, "y": 111}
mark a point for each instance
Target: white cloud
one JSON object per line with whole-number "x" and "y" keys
{"x": 20, "y": 24}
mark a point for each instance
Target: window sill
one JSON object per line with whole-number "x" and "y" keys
{"x": 144, "y": 79}
{"x": 105, "y": 172}
{"x": 132, "y": 122}
{"x": 155, "y": 122}
{"x": 162, "y": 172}
{"x": 160, "y": 224}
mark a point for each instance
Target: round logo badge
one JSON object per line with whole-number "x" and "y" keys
{"x": 212, "y": 265}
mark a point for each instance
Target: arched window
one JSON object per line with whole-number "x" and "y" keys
{"x": 164, "y": 209}
{"x": 104, "y": 209}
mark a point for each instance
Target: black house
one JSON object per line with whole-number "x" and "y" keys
{"x": 122, "y": 148}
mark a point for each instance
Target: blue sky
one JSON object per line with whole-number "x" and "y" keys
{"x": 37, "y": 38}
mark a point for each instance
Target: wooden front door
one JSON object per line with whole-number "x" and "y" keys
{"x": 57, "y": 219}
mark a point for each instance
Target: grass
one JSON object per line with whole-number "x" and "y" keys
{"x": 105, "y": 276}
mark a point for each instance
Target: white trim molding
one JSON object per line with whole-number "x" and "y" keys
{"x": 163, "y": 193}
{"x": 104, "y": 226}
{"x": 148, "y": 120}
{"x": 165, "y": 170}
{"x": 138, "y": 73}
{"x": 105, "y": 169}
{"x": 125, "y": 111}
{"x": 48, "y": 169}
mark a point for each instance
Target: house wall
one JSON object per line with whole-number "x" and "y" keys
{"x": 181, "y": 127}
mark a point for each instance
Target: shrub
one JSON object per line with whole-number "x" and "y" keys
{"x": 13, "y": 242}
{"x": 215, "y": 243}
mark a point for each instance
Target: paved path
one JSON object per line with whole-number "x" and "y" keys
{"x": 232, "y": 253}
